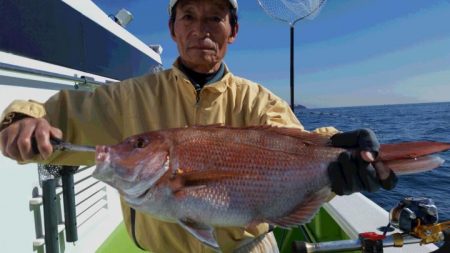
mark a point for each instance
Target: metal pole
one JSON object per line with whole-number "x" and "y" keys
{"x": 70, "y": 215}
{"x": 50, "y": 215}
{"x": 292, "y": 67}
{"x": 26, "y": 70}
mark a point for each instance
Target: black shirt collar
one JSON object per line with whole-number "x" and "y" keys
{"x": 200, "y": 79}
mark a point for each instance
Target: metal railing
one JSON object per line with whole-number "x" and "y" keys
{"x": 83, "y": 198}
{"x": 81, "y": 80}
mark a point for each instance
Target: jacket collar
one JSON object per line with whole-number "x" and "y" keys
{"x": 218, "y": 86}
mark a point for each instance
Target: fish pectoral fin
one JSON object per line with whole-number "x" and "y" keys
{"x": 195, "y": 177}
{"x": 184, "y": 182}
{"x": 202, "y": 232}
{"x": 303, "y": 212}
{"x": 184, "y": 191}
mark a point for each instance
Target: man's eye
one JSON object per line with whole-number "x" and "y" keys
{"x": 188, "y": 17}
{"x": 216, "y": 19}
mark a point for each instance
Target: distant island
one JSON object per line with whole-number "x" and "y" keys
{"x": 300, "y": 107}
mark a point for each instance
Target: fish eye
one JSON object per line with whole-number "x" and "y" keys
{"x": 140, "y": 143}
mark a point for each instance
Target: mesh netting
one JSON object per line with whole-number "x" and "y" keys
{"x": 47, "y": 171}
{"x": 292, "y": 11}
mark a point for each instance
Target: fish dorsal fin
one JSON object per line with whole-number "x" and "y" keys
{"x": 304, "y": 212}
{"x": 309, "y": 138}
{"x": 202, "y": 232}
{"x": 217, "y": 125}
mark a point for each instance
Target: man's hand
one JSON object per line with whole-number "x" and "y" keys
{"x": 353, "y": 171}
{"x": 16, "y": 139}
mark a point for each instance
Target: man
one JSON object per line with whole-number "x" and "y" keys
{"x": 198, "y": 90}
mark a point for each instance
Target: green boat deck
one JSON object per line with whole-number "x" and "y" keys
{"x": 321, "y": 228}
{"x": 119, "y": 242}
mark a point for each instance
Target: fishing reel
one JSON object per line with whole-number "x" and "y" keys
{"x": 413, "y": 212}
{"x": 416, "y": 217}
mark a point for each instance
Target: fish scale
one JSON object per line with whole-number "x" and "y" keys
{"x": 260, "y": 171}
{"x": 224, "y": 176}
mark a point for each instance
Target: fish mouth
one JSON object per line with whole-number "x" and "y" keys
{"x": 136, "y": 201}
{"x": 103, "y": 169}
{"x": 135, "y": 191}
{"x": 138, "y": 194}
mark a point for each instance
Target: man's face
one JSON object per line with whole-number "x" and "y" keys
{"x": 202, "y": 32}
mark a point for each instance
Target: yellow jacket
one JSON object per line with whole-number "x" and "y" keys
{"x": 151, "y": 102}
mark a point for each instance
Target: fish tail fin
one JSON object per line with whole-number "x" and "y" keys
{"x": 412, "y": 157}
{"x": 414, "y": 165}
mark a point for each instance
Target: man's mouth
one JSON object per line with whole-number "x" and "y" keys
{"x": 204, "y": 45}
{"x": 203, "y": 48}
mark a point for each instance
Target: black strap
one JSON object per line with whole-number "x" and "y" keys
{"x": 133, "y": 227}
{"x": 446, "y": 246}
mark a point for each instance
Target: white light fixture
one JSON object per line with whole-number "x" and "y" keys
{"x": 123, "y": 17}
{"x": 157, "y": 48}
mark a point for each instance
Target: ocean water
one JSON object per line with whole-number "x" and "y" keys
{"x": 397, "y": 123}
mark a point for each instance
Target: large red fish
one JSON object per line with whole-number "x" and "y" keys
{"x": 207, "y": 176}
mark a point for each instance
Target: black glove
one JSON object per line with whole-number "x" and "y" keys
{"x": 350, "y": 173}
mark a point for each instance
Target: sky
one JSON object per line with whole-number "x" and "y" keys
{"x": 354, "y": 52}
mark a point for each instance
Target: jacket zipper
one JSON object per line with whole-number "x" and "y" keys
{"x": 197, "y": 104}
{"x": 197, "y": 96}
{"x": 198, "y": 92}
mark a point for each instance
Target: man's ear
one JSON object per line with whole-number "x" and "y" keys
{"x": 234, "y": 32}
{"x": 171, "y": 29}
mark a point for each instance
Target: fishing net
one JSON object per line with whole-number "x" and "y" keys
{"x": 291, "y": 11}
{"x": 48, "y": 171}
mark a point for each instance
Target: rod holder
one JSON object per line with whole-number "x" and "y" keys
{"x": 70, "y": 215}
{"x": 50, "y": 215}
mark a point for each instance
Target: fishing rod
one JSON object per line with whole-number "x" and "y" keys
{"x": 369, "y": 242}
{"x": 49, "y": 175}
{"x": 415, "y": 217}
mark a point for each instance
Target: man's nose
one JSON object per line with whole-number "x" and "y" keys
{"x": 201, "y": 28}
